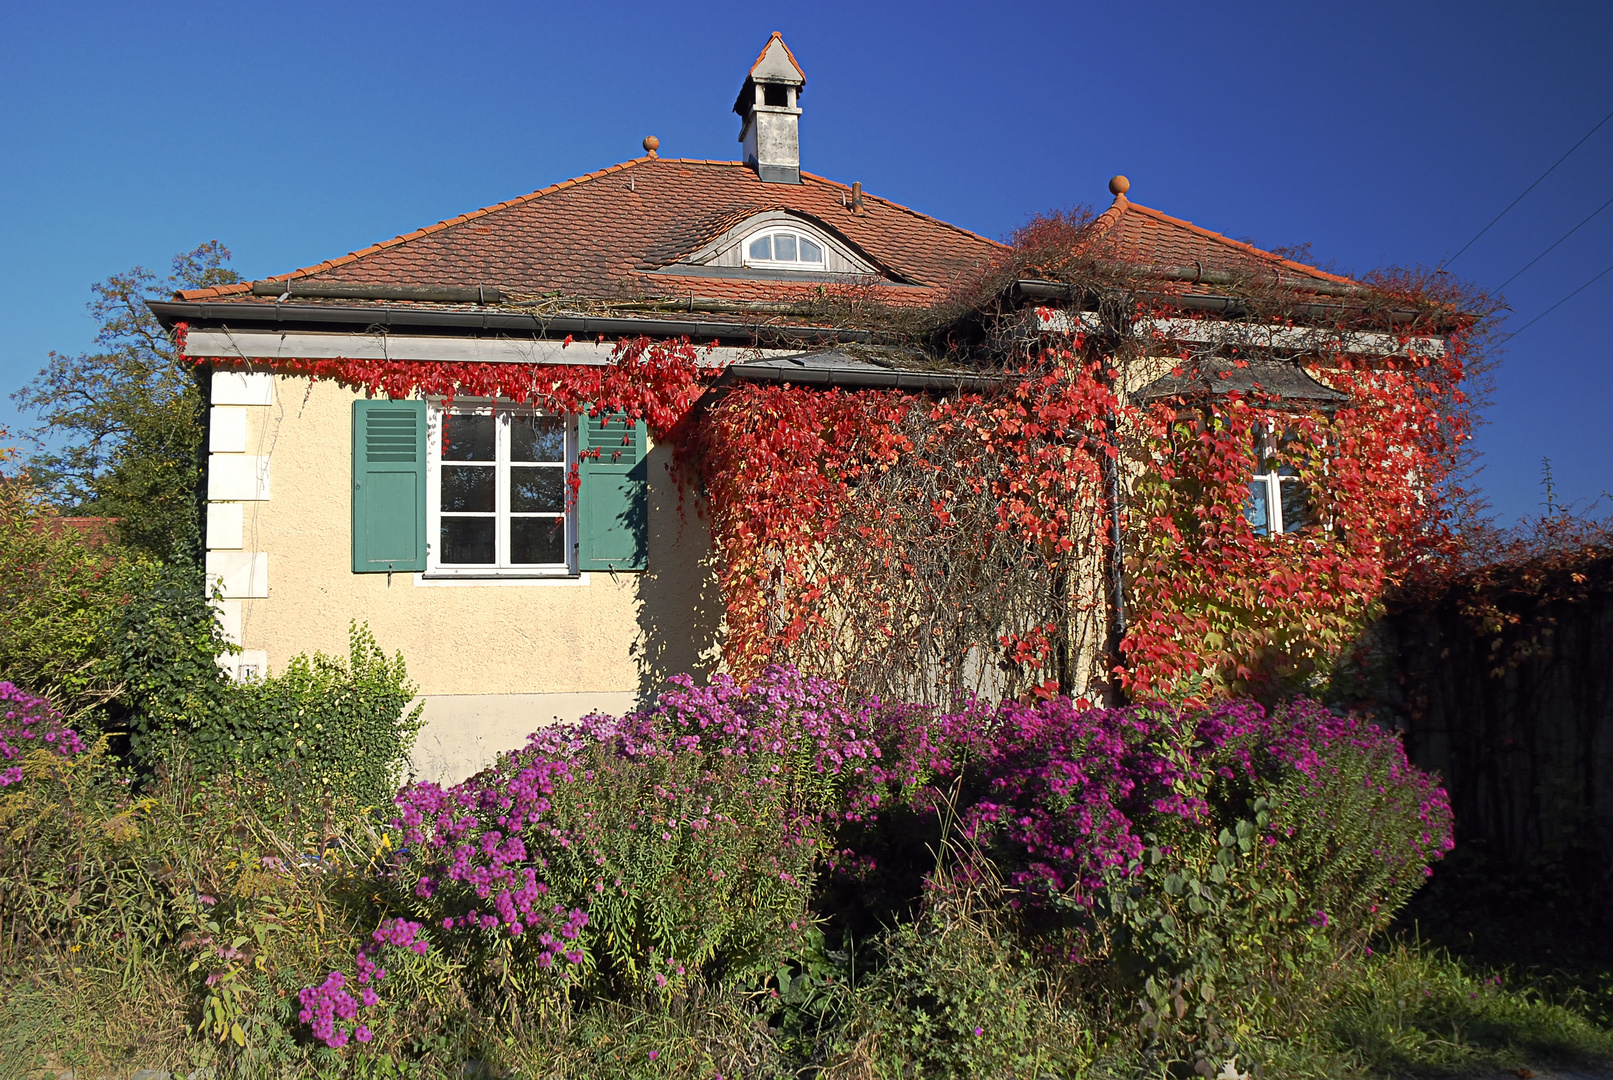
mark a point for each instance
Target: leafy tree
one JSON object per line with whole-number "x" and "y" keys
{"x": 126, "y": 420}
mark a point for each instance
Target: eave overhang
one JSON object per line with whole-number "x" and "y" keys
{"x": 382, "y": 318}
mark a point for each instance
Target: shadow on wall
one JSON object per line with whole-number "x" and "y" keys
{"x": 680, "y": 610}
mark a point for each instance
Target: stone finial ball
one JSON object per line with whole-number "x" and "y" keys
{"x": 651, "y": 144}
{"x": 1119, "y": 185}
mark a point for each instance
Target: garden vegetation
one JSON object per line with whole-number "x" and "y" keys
{"x": 802, "y": 868}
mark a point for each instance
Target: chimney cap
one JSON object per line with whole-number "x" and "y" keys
{"x": 1118, "y": 186}
{"x": 775, "y": 66}
{"x": 651, "y": 145}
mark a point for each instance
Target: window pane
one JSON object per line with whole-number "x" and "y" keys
{"x": 761, "y": 248}
{"x": 1296, "y": 505}
{"x": 466, "y": 540}
{"x": 1255, "y": 510}
{"x": 538, "y": 540}
{"x": 810, "y": 252}
{"x": 467, "y": 438}
{"x": 784, "y": 247}
{"x": 537, "y": 438}
{"x": 537, "y": 489}
{"x": 467, "y": 488}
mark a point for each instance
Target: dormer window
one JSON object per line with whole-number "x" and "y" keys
{"x": 778, "y": 243}
{"x": 783, "y": 249}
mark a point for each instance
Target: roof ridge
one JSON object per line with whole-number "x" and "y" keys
{"x": 353, "y": 256}
{"x": 1223, "y": 238}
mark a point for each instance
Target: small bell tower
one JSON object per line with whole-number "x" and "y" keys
{"x": 769, "y": 108}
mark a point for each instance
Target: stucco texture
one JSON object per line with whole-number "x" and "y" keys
{"x": 601, "y": 634}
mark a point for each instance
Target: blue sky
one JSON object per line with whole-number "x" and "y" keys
{"x": 1379, "y": 133}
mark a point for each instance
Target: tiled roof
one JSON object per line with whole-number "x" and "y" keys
{"x": 602, "y": 235}
{"x": 1144, "y": 236}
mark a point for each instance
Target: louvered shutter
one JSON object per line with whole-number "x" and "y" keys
{"x": 613, "y": 513}
{"x": 389, "y": 486}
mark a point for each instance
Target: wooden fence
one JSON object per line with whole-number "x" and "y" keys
{"x": 1504, "y": 682}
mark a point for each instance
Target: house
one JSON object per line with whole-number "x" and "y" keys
{"x": 531, "y": 565}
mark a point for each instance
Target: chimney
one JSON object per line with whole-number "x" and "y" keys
{"x": 768, "y": 106}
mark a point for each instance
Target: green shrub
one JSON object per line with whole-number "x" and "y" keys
{"x": 58, "y": 596}
{"x": 641, "y": 856}
{"x": 164, "y": 639}
{"x": 325, "y": 728}
{"x": 956, "y": 994}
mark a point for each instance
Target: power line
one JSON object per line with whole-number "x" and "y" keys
{"x": 1527, "y": 190}
{"x": 1558, "y": 304}
{"x": 1560, "y": 239}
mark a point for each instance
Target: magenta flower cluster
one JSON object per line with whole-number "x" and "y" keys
{"x": 331, "y": 1010}
{"x": 30, "y": 724}
{"x": 1068, "y": 792}
{"x": 525, "y": 849}
{"x": 491, "y": 832}
{"x": 725, "y": 790}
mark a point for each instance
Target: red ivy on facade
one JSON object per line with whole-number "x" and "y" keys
{"x": 820, "y": 501}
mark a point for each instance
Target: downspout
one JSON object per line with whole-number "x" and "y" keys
{"x": 1117, "y": 565}
{"x": 1114, "y": 482}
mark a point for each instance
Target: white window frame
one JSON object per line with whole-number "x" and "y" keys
{"x": 785, "y": 264}
{"x": 1273, "y": 482}
{"x": 501, "y": 567}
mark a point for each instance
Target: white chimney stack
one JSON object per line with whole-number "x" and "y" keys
{"x": 769, "y": 107}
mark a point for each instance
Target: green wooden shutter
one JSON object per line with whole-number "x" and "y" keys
{"x": 389, "y": 486}
{"x": 613, "y": 505}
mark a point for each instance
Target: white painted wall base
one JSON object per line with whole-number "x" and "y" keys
{"x": 464, "y": 733}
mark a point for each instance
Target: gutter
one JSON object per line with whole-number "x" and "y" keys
{"x": 492, "y": 295}
{"x": 1196, "y": 274}
{"x": 1229, "y": 305}
{"x": 870, "y": 378}
{"x": 287, "y": 315}
{"x": 439, "y": 294}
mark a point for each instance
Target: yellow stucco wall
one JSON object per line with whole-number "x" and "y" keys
{"x": 597, "y": 641}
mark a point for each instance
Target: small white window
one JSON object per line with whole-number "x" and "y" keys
{"x": 497, "y": 500}
{"x": 784, "y": 249}
{"x": 1278, "y": 501}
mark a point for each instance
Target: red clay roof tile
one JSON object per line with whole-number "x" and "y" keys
{"x": 1142, "y": 235}
{"x": 602, "y": 235}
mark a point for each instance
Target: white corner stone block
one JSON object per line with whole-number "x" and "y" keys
{"x": 226, "y": 525}
{"x": 238, "y": 477}
{"x": 241, "y": 574}
{"x": 226, "y": 429}
{"x": 243, "y": 388}
{"x": 228, "y": 613}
